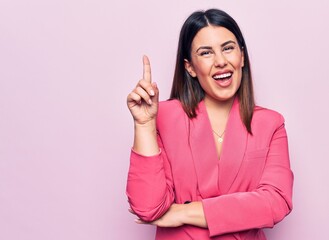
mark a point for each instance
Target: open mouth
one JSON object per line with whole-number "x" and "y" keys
{"x": 223, "y": 76}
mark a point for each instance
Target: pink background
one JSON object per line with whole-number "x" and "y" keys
{"x": 66, "y": 67}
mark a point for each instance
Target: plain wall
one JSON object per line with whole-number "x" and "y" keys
{"x": 66, "y": 67}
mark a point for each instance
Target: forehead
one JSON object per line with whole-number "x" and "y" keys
{"x": 212, "y": 36}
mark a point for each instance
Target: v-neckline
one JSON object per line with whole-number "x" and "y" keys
{"x": 217, "y": 153}
{"x": 204, "y": 154}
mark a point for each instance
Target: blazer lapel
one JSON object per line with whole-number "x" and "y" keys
{"x": 234, "y": 147}
{"x": 203, "y": 150}
{"x": 216, "y": 176}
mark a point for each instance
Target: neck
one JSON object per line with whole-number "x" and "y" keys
{"x": 219, "y": 108}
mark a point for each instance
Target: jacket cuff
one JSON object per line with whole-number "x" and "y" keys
{"x": 139, "y": 155}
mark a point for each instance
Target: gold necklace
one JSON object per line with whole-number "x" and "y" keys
{"x": 220, "y": 136}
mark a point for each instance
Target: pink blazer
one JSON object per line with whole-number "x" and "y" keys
{"x": 248, "y": 189}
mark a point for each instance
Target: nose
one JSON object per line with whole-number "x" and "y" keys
{"x": 220, "y": 59}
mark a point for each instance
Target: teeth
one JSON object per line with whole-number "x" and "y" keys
{"x": 224, "y": 75}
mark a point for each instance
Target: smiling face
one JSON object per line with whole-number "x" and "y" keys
{"x": 217, "y": 61}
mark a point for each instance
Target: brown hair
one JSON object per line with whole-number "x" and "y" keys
{"x": 189, "y": 91}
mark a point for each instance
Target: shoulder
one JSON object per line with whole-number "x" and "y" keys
{"x": 266, "y": 118}
{"x": 170, "y": 107}
{"x": 170, "y": 111}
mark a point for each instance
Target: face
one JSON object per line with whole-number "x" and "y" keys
{"x": 216, "y": 61}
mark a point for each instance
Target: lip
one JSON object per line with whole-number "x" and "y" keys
{"x": 223, "y": 83}
{"x": 222, "y": 72}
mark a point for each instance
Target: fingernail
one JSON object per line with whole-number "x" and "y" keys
{"x": 152, "y": 93}
{"x": 150, "y": 101}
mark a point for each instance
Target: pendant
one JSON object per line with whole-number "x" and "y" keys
{"x": 220, "y": 139}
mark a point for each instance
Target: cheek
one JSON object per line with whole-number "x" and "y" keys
{"x": 239, "y": 74}
{"x": 202, "y": 68}
{"x": 236, "y": 61}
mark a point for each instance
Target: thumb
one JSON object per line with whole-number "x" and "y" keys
{"x": 155, "y": 98}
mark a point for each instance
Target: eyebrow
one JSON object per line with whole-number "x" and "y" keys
{"x": 222, "y": 45}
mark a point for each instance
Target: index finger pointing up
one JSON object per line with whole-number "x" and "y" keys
{"x": 146, "y": 69}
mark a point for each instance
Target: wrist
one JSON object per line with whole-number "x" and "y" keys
{"x": 148, "y": 125}
{"x": 194, "y": 215}
{"x": 146, "y": 130}
{"x": 145, "y": 139}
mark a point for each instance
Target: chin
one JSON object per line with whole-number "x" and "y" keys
{"x": 226, "y": 97}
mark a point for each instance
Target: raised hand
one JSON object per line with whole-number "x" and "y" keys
{"x": 143, "y": 100}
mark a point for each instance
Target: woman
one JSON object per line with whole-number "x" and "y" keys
{"x": 208, "y": 163}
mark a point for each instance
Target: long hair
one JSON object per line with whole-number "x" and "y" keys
{"x": 187, "y": 89}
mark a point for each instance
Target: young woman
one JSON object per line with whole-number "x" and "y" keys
{"x": 208, "y": 163}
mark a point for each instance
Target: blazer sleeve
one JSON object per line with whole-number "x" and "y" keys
{"x": 150, "y": 188}
{"x": 268, "y": 204}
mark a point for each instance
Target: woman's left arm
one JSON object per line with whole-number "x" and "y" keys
{"x": 180, "y": 214}
{"x": 263, "y": 207}
{"x": 268, "y": 204}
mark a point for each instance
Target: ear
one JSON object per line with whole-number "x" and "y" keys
{"x": 189, "y": 68}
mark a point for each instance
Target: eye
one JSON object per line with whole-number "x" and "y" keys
{"x": 205, "y": 53}
{"x": 228, "y": 48}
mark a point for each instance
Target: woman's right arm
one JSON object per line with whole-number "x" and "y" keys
{"x": 149, "y": 185}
